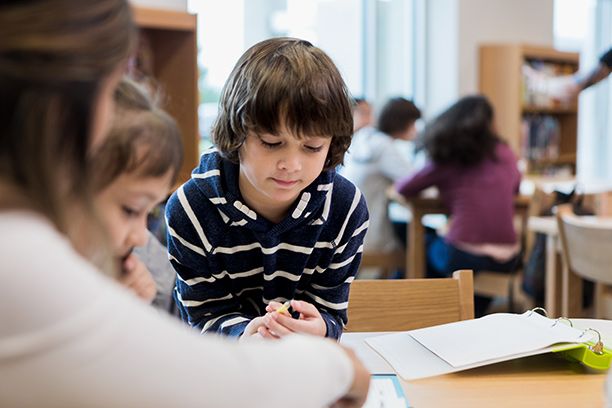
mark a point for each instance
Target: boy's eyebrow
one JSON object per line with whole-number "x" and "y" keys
{"x": 145, "y": 194}
{"x": 260, "y": 135}
{"x": 303, "y": 137}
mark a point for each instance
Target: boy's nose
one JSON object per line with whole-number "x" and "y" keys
{"x": 290, "y": 163}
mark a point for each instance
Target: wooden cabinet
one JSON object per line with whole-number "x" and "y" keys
{"x": 540, "y": 130}
{"x": 171, "y": 50}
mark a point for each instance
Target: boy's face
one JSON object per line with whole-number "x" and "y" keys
{"x": 124, "y": 206}
{"x": 410, "y": 133}
{"x": 362, "y": 116}
{"x": 274, "y": 169}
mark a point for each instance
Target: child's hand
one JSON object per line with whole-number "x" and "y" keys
{"x": 138, "y": 279}
{"x": 278, "y": 325}
{"x": 274, "y": 306}
{"x": 252, "y": 327}
{"x": 357, "y": 394}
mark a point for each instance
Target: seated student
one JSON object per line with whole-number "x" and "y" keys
{"x": 134, "y": 170}
{"x": 477, "y": 177}
{"x": 363, "y": 115}
{"x": 265, "y": 218}
{"x": 376, "y": 159}
{"x": 70, "y": 335}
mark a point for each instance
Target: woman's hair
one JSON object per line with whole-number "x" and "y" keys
{"x": 284, "y": 81}
{"x": 463, "y": 134}
{"x": 54, "y": 56}
{"x": 397, "y": 115}
{"x": 143, "y": 139}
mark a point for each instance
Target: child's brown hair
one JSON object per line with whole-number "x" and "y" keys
{"x": 397, "y": 115}
{"x": 284, "y": 81}
{"x": 143, "y": 139}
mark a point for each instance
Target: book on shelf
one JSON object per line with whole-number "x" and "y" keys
{"x": 541, "y": 136}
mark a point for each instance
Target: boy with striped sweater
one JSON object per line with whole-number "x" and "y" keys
{"x": 265, "y": 218}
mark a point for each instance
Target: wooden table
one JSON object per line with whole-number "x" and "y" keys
{"x": 563, "y": 289}
{"x": 537, "y": 381}
{"x": 419, "y": 207}
{"x": 415, "y": 254}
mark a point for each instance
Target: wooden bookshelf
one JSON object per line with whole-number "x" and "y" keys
{"x": 517, "y": 107}
{"x": 171, "y": 39}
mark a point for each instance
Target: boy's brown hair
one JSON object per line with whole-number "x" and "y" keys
{"x": 142, "y": 139}
{"x": 284, "y": 81}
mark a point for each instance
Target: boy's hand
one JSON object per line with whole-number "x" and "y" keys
{"x": 252, "y": 327}
{"x": 277, "y": 325}
{"x": 138, "y": 279}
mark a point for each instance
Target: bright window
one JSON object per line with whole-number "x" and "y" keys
{"x": 571, "y": 24}
{"x": 371, "y": 42}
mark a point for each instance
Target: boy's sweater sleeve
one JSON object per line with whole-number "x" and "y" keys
{"x": 204, "y": 298}
{"x": 330, "y": 288}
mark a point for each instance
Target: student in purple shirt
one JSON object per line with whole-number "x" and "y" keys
{"x": 477, "y": 178}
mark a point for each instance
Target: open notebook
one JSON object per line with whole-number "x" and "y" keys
{"x": 472, "y": 343}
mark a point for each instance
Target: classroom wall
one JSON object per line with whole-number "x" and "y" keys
{"x": 458, "y": 27}
{"x": 179, "y": 5}
{"x": 481, "y": 21}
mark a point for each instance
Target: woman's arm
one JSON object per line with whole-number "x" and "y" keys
{"x": 83, "y": 340}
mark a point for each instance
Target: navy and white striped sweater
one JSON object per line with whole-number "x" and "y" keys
{"x": 231, "y": 262}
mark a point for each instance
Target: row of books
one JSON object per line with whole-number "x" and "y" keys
{"x": 541, "y": 135}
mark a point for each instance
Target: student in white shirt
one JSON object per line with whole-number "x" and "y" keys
{"x": 376, "y": 159}
{"x": 69, "y": 335}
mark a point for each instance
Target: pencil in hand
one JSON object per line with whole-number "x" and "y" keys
{"x": 284, "y": 308}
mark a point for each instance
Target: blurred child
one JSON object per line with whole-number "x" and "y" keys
{"x": 134, "y": 170}
{"x": 376, "y": 159}
{"x": 477, "y": 177}
{"x": 265, "y": 218}
{"x": 363, "y": 114}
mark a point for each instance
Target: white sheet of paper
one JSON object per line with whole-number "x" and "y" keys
{"x": 408, "y": 357}
{"x": 495, "y": 336}
{"x": 366, "y": 354}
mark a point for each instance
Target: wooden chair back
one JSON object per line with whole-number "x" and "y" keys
{"x": 587, "y": 245}
{"x": 387, "y": 262}
{"x": 406, "y": 304}
{"x": 587, "y": 249}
